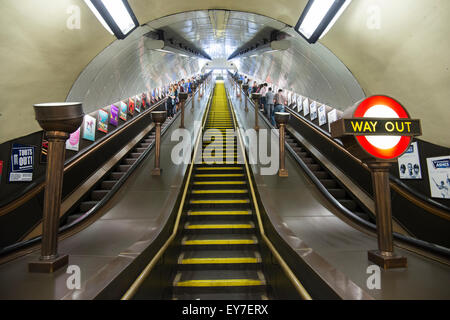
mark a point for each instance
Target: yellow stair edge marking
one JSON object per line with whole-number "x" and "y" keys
{"x": 220, "y": 283}
{"x": 218, "y": 191}
{"x": 218, "y": 182}
{"x": 218, "y": 213}
{"x": 218, "y": 175}
{"x": 219, "y": 168}
{"x": 217, "y": 201}
{"x": 220, "y": 260}
{"x": 220, "y": 226}
{"x": 219, "y": 242}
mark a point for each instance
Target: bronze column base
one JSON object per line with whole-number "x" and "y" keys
{"x": 384, "y": 256}
{"x": 48, "y": 265}
{"x": 387, "y": 260}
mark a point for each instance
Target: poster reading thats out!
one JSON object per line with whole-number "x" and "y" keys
{"x": 439, "y": 175}
{"x": 22, "y": 163}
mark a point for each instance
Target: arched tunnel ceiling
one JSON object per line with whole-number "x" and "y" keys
{"x": 126, "y": 68}
{"x": 404, "y": 54}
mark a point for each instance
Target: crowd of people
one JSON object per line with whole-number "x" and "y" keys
{"x": 270, "y": 101}
{"x": 173, "y": 101}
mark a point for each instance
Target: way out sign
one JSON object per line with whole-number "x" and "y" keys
{"x": 378, "y": 127}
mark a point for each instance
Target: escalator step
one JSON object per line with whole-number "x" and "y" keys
{"x": 87, "y": 205}
{"x": 219, "y": 281}
{"x": 98, "y": 195}
{"x": 329, "y": 183}
{"x": 349, "y": 204}
{"x": 71, "y": 218}
{"x": 314, "y": 167}
{"x": 140, "y": 150}
{"x": 116, "y": 175}
{"x": 219, "y": 259}
{"x": 135, "y": 154}
{"x": 144, "y": 145}
{"x": 129, "y": 161}
{"x": 227, "y": 241}
{"x": 220, "y": 296}
{"x": 124, "y": 167}
{"x": 219, "y": 227}
{"x": 363, "y": 215}
{"x": 308, "y": 160}
{"x": 338, "y": 193}
{"x": 321, "y": 174}
{"x": 107, "y": 185}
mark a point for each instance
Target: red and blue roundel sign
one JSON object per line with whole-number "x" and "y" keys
{"x": 382, "y": 146}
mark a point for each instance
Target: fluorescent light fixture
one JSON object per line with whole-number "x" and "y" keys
{"x": 115, "y": 15}
{"x": 318, "y": 18}
{"x": 270, "y": 47}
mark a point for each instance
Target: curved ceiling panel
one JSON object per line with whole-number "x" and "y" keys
{"x": 312, "y": 71}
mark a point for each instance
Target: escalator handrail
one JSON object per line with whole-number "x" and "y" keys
{"x": 424, "y": 202}
{"x": 27, "y": 243}
{"x": 428, "y": 246}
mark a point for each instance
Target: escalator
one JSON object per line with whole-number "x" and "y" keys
{"x": 219, "y": 256}
{"x": 328, "y": 180}
{"x": 105, "y": 185}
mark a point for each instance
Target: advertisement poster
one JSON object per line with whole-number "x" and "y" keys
{"x": 313, "y": 110}
{"x": 44, "y": 148}
{"x": 322, "y": 115}
{"x": 1, "y": 170}
{"x": 103, "y": 121}
{"x": 439, "y": 175}
{"x": 22, "y": 163}
{"x": 289, "y": 98}
{"x": 294, "y": 100}
{"x": 409, "y": 163}
{"x": 153, "y": 96}
{"x": 332, "y": 117}
{"x": 305, "y": 107}
{"x": 123, "y": 111}
{"x": 144, "y": 101}
{"x": 89, "y": 128}
{"x": 299, "y": 104}
{"x": 73, "y": 143}
{"x": 137, "y": 105}
{"x": 131, "y": 106}
{"x": 114, "y": 116}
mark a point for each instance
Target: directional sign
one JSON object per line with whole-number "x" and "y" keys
{"x": 381, "y": 126}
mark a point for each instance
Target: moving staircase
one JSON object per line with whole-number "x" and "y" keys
{"x": 219, "y": 249}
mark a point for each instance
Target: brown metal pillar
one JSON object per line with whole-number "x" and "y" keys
{"x": 182, "y": 96}
{"x": 158, "y": 118}
{"x": 384, "y": 256}
{"x": 245, "y": 87}
{"x": 282, "y": 118}
{"x": 58, "y": 120}
{"x": 256, "y": 97}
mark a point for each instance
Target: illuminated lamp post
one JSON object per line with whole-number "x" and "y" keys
{"x": 378, "y": 130}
